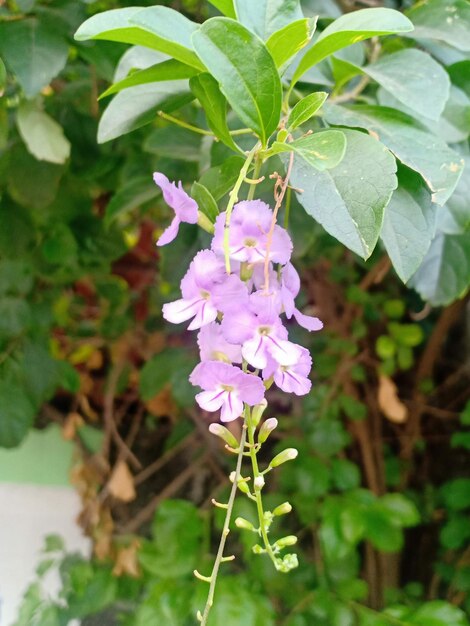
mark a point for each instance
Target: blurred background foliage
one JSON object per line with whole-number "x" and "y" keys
{"x": 379, "y": 487}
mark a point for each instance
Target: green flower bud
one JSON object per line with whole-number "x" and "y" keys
{"x": 290, "y": 561}
{"x": 283, "y": 509}
{"x": 289, "y": 454}
{"x": 257, "y": 412}
{"x": 220, "y": 431}
{"x": 241, "y": 522}
{"x": 257, "y": 549}
{"x": 290, "y": 540}
{"x": 266, "y": 429}
{"x": 258, "y": 483}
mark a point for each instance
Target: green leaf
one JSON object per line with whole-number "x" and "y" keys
{"x": 423, "y": 152}
{"x": 43, "y": 136}
{"x": 159, "y": 28}
{"x": 159, "y": 371}
{"x": 381, "y": 531}
{"x": 345, "y": 474}
{"x": 460, "y": 75}
{"x": 174, "y": 142}
{"x": 34, "y": 51}
{"x": 245, "y": 71}
{"x": 414, "y": 78}
{"x": 265, "y": 17}
{"x": 456, "y": 532}
{"x": 168, "y": 602}
{"x": 16, "y": 277}
{"x": 409, "y": 224}
{"x": 131, "y": 195}
{"x": 358, "y": 190}
{"x": 15, "y": 316}
{"x": 438, "y": 613}
{"x": 456, "y": 494}
{"x": 400, "y": 510}
{"x": 444, "y": 274}
{"x": 221, "y": 178}
{"x": 286, "y": 42}
{"x": 328, "y": 437}
{"x": 16, "y": 414}
{"x": 177, "y": 532}
{"x": 305, "y": 109}
{"x": 168, "y": 70}
{"x": 349, "y": 29}
{"x": 323, "y": 150}
{"x": 205, "y": 201}
{"x": 225, "y": 7}
{"x": 207, "y": 91}
{"x": 445, "y": 20}
{"x": 137, "y": 106}
{"x": 3, "y": 76}
{"x": 457, "y": 204}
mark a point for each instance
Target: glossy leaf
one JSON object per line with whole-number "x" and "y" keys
{"x": 207, "y": 91}
{"x": 445, "y": 20}
{"x": 174, "y": 143}
{"x": 221, "y": 178}
{"x": 34, "y": 52}
{"x": 205, "y": 201}
{"x": 323, "y": 150}
{"x": 245, "y": 70}
{"x": 409, "y": 224}
{"x": 349, "y": 200}
{"x": 16, "y": 414}
{"x": 265, "y": 17}
{"x": 305, "y": 109}
{"x": 159, "y": 28}
{"x": 349, "y": 29}
{"x": 167, "y": 70}
{"x": 286, "y": 42}
{"x": 417, "y": 148}
{"x": 137, "y": 106}
{"x": 43, "y": 136}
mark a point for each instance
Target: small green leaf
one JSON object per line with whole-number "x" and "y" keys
{"x": 349, "y": 29}
{"x": 16, "y": 414}
{"x": 43, "y": 136}
{"x": 400, "y": 510}
{"x": 15, "y": 316}
{"x": 34, "y": 51}
{"x": 323, "y": 150}
{"x": 381, "y": 531}
{"x": 207, "y": 91}
{"x": 456, "y": 532}
{"x": 265, "y": 17}
{"x": 417, "y": 148}
{"x": 445, "y": 20}
{"x": 137, "y": 106}
{"x": 245, "y": 70}
{"x": 167, "y": 70}
{"x": 286, "y": 42}
{"x": 305, "y": 109}
{"x": 456, "y": 494}
{"x": 225, "y": 7}
{"x": 438, "y": 613}
{"x": 409, "y": 224}
{"x": 358, "y": 189}
{"x": 205, "y": 201}
{"x": 221, "y": 178}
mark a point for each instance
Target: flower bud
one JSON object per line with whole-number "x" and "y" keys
{"x": 257, "y": 412}
{"x": 257, "y": 549}
{"x": 241, "y": 522}
{"x": 289, "y": 454}
{"x": 258, "y": 483}
{"x": 290, "y": 540}
{"x": 283, "y": 509}
{"x": 220, "y": 431}
{"x": 289, "y": 562}
{"x": 266, "y": 429}
{"x": 205, "y": 223}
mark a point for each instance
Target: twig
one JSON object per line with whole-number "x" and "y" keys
{"x": 164, "y": 459}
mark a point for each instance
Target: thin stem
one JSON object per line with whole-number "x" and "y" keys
{"x": 178, "y": 122}
{"x": 287, "y": 211}
{"x": 225, "y": 531}
{"x": 233, "y": 198}
{"x": 257, "y": 492}
{"x": 255, "y": 177}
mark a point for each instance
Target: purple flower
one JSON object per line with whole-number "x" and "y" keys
{"x": 248, "y": 234}
{"x": 261, "y": 335}
{"x": 185, "y": 208}
{"x": 291, "y": 378}
{"x": 214, "y": 347}
{"x": 226, "y": 387}
{"x": 206, "y": 290}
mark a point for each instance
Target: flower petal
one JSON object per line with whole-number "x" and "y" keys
{"x": 232, "y": 407}
{"x": 170, "y": 233}
{"x": 211, "y": 400}
{"x": 181, "y": 310}
{"x": 254, "y": 351}
{"x": 307, "y": 321}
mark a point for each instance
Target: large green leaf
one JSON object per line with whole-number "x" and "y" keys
{"x": 349, "y": 200}
{"x": 43, "y": 136}
{"x": 323, "y": 150}
{"x": 167, "y": 70}
{"x": 221, "y": 178}
{"x": 159, "y": 28}
{"x": 458, "y": 205}
{"x": 444, "y": 275}
{"x": 207, "y": 91}
{"x": 409, "y": 224}
{"x": 245, "y": 71}
{"x": 265, "y": 17}
{"x": 174, "y": 143}
{"x": 285, "y": 43}
{"x": 349, "y": 29}
{"x": 16, "y": 414}
{"x": 416, "y": 147}
{"x": 414, "y": 78}
{"x": 445, "y": 20}
{"x": 137, "y": 106}
{"x": 34, "y": 51}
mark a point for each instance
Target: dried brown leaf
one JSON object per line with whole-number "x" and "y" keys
{"x": 389, "y": 402}
{"x": 121, "y": 483}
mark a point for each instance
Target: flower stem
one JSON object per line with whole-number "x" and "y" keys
{"x": 232, "y": 199}
{"x": 225, "y": 532}
{"x": 257, "y": 492}
{"x": 256, "y": 173}
{"x": 178, "y": 122}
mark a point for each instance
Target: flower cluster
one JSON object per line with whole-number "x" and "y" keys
{"x": 244, "y": 345}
